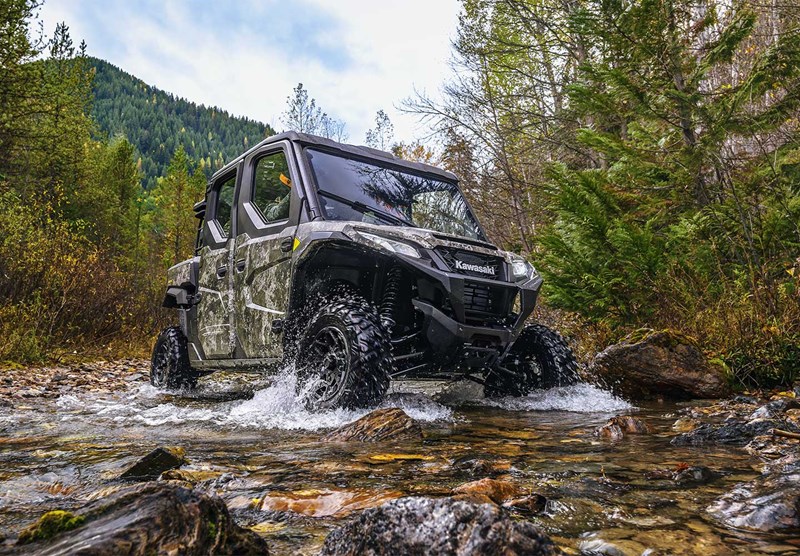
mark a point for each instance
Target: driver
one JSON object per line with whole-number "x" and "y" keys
{"x": 279, "y": 210}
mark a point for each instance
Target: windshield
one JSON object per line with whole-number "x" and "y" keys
{"x": 354, "y": 190}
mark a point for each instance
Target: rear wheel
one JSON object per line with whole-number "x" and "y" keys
{"x": 540, "y": 358}
{"x": 344, "y": 357}
{"x": 169, "y": 367}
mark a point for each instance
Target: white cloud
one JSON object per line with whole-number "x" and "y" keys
{"x": 354, "y": 56}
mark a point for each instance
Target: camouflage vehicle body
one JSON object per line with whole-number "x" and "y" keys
{"x": 449, "y": 304}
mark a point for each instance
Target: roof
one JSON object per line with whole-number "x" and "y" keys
{"x": 355, "y": 150}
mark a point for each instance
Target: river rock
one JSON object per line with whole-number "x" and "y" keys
{"x": 611, "y": 431}
{"x": 695, "y": 475}
{"x": 619, "y": 426}
{"x": 481, "y": 466}
{"x": 437, "y": 527}
{"x": 154, "y": 464}
{"x": 382, "y": 424}
{"x": 737, "y": 433}
{"x": 660, "y": 364}
{"x": 684, "y": 475}
{"x": 152, "y": 518}
{"x": 531, "y": 504}
{"x": 770, "y": 503}
{"x": 775, "y": 408}
{"x": 496, "y": 490}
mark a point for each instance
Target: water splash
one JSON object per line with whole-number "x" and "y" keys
{"x": 276, "y": 406}
{"x": 578, "y": 398}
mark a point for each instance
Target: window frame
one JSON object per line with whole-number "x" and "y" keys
{"x": 250, "y": 219}
{"x": 215, "y": 236}
{"x": 250, "y": 205}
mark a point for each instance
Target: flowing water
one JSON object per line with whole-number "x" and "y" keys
{"x": 253, "y": 443}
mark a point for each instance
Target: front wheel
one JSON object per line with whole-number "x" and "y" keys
{"x": 169, "y": 367}
{"x": 540, "y": 358}
{"x": 344, "y": 357}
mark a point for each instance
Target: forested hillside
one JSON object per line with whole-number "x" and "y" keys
{"x": 157, "y": 122}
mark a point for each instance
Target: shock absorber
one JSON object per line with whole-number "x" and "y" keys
{"x": 391, "y": 297}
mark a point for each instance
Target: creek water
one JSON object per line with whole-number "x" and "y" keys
{"x": 252, "y": 442}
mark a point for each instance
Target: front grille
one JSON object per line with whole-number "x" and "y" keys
{"x": 472, "y": 264}
{"x": 483, "y": 302}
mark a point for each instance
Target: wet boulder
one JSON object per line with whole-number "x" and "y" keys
{"x": 152, "y": 465}
{"x": 661, "y": 363}
{"x": 437, "y": 527}
{"x": 531, "y": 504}
{"x": 770, "y": 503}
{"x": 772, "y": 446}
{"x": 148, "y": 518}
{"x": 382, "y": 424}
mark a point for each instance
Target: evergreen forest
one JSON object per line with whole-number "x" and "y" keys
{"x": 156, "y": 123}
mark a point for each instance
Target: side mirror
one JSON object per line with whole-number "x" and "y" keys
{"x": 200, "y": 210}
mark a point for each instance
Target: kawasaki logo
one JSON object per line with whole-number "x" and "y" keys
{"x": 490, "y": 270}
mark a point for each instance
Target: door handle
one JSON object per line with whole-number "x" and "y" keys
{"x": 222, "y": 271}
{"x": 240, "y": 265}
{"x": 286, "y": 244}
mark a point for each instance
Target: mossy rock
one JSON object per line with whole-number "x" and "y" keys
{"x": 49, "y": 525}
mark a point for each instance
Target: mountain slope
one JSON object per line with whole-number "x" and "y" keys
{"x": 156, "y": 122}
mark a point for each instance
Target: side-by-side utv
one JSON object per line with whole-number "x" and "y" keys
{"x": 356, "y": 267}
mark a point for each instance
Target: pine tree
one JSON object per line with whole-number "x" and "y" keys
{"x": 174, "y": 196}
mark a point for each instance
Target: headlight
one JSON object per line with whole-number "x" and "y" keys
{"x": 391, "y": 245}
{"x": 520, "y": 268}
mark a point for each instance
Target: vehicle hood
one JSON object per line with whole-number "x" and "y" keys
{"x": 428, "y": 239}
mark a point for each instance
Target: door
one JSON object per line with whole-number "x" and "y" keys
{"x": 267, "y": 219}
{"x": 214, "y": 318}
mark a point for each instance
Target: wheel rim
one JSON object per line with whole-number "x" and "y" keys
{"x": 328, "y": 360}
{"x": 528, "y": 371}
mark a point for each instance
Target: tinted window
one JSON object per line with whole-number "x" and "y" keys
{"x": 225, "y": 203}
{"x": 272, "y": 187}
{"x": 361, "y": 191}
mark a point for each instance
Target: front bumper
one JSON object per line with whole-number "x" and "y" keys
{"x": 455, "y": 339}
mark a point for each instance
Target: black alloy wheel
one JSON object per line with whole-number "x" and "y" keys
{"x": 539, "y": 358}
{"x": 344, "y": 357}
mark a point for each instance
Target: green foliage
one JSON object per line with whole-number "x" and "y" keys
{"x": 652, "y": 146}
{"x": 690, "y": 219}
{"x": 598, "y": 260}
{"x": 173, "y": 224}
{"x": 75, "y": 263}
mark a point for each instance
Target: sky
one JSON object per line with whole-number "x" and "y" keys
{"x": 354, "y": 57}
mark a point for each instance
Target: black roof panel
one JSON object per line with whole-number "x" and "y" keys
{"x": 355, "y": 150}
